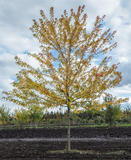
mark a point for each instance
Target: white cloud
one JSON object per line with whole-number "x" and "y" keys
{"x": 101, "y": 7}
{"x": 123, "y": 59}
{"x": 125, "y": 89}
{"x": 122, "y": 92}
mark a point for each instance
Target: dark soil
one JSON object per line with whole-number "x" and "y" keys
{"x": 97, "y": 143}
{"x": 62, "y": 132}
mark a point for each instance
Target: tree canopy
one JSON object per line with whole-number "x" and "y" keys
{"x": 65, "y": 75}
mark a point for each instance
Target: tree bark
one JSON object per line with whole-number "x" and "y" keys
{"x": 68, "y": 131}
{"x": 68, "y": 101}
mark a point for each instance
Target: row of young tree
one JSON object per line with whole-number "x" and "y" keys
{"x": 111, "y": 115}
{"x": 65, "y": 75}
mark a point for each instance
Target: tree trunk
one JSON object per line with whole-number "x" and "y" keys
{"x": 68, "y": 132}
{"x": 68, "y": 101}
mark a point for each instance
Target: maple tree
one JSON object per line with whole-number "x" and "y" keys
{"x": 65, "y": 76}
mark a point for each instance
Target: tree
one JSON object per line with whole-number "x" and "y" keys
{"x": 112, "y": 112}
{"x": 126, "y": 117}
{"x": 5, "y": 116}
{"x": 65, "y": 77}
{"x": 26, "y": 116}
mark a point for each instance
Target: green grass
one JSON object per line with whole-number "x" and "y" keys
{"x": 124, "y": 125}
{"x": 119, "y": 152}
{"x": 60, "y": 126}
{"x": 104, "y": 125}
{"x": 73, "y": 151}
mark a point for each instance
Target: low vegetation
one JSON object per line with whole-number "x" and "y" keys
{"x": 111, "y": 116}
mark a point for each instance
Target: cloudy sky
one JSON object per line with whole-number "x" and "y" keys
{"x": 16, "y": 38}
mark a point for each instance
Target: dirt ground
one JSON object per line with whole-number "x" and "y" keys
{"x": 104, "y": 145}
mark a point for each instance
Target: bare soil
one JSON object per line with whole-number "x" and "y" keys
{"x": 49, "y": 144}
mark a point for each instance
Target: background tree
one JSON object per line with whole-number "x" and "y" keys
{"x": 5, "y": 117}
{"x": 32, "y": 115}
{"x": 112, "y": 113}
{"x": 126, "y": 115}
{"x": 65, "y": 77}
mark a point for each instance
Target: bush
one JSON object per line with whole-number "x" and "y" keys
{"x": 31, "y": 115}
{"x": 112, "y": 114}
{"x": 5, "y": 117}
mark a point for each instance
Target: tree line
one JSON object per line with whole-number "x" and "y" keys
{"x": 112, "y": 115}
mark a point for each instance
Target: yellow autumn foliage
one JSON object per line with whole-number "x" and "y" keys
{"x": 65, "y": 76}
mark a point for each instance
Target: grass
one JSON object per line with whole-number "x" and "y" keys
{"x": 106, "y": 125}
{"x": 62, "y": 126}
{"x": 124, "y": 125}
{"x": 120, "y": 152}
{"x": 73, "y": 151}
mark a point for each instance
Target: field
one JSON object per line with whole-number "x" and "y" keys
{"x": 94, "y": 143}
